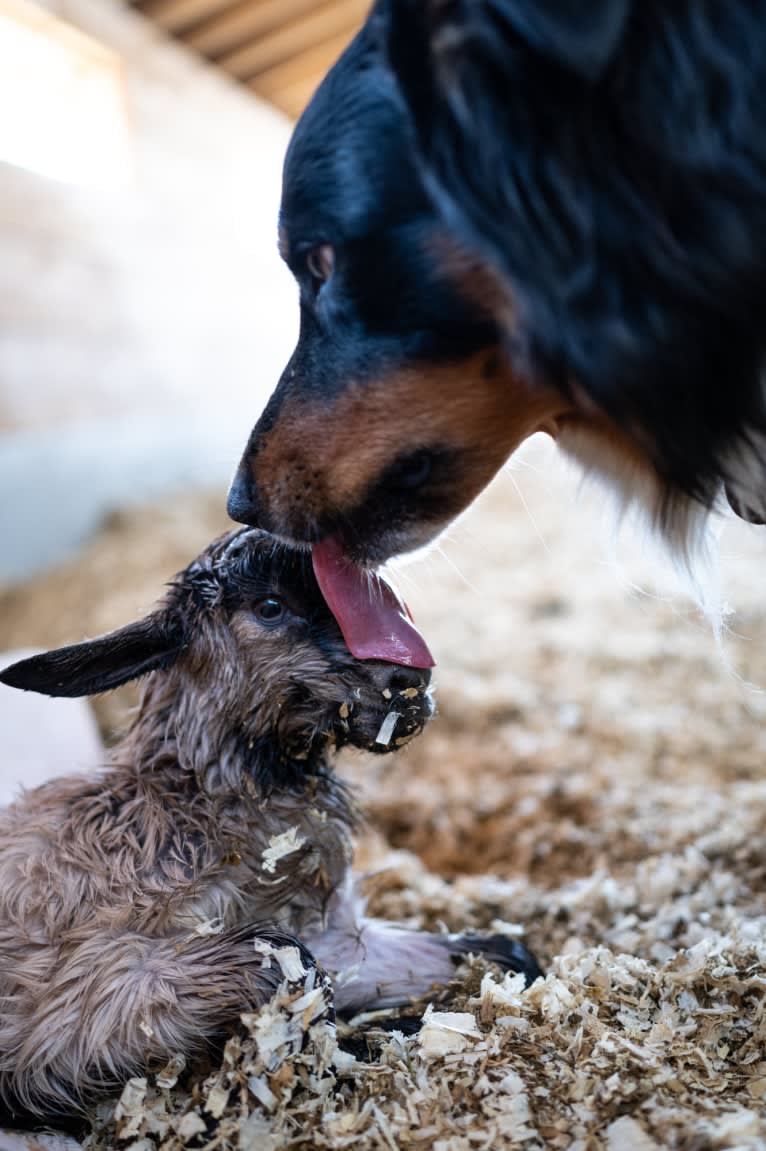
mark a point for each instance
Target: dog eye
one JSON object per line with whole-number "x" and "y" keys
{"x": 319, "y": 265}
{"x": 270, "y": 610}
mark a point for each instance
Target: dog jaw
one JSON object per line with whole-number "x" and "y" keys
{"x": 331, "y": 465}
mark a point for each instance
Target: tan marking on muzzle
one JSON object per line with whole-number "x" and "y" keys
{"x": 326, "y": 456}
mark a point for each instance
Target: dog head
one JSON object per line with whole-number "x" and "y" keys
{"x": 495, "y": 232}
{"x": 396, "y": 407}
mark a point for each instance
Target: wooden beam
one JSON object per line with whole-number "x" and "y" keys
{"x": 176, "y": 15}
{"x": 314, "y": 62}
{"x": 337, "y": 19}
{"x": 247, "y": 20}
{"x": 294, "y": 98}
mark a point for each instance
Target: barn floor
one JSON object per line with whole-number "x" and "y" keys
{"x": 594, "y": 782}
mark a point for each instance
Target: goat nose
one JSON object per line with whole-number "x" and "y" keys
{"x": 403, "y": 678}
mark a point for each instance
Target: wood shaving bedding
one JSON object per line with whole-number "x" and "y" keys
{"x": 609, "y": 1050}
{"x": 594, "y": 784}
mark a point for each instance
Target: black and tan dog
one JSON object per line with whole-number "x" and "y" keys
{"x": 508, "y": 216}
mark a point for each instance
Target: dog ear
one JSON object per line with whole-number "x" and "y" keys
{"x": 745, "y": 477}
{"x": 580, "y": 36}
{"x": 100, "y": 664}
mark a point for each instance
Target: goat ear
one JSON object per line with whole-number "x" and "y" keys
{"x": 100, "y": 664}
{"x": 581, "y": 37}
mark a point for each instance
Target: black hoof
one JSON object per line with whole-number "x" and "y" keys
{"x": 506, "y": 953}
{"x": 321, "y": 978}
{"x": 366, "y": 1045}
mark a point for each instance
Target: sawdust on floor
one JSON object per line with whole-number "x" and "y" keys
{"x": 594, "y": 782}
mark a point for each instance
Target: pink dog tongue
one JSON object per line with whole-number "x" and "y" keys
{"x": 373, "y": 619}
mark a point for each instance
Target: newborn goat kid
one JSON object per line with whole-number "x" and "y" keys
{"x": 219, "y": 809}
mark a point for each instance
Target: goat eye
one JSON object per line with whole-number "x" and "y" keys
{"x": 320, "y": 262}
{"x": 269, "y": 610}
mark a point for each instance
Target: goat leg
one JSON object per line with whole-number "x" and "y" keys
{"x": 121, "y": 1004}
{"x": 375, "y": 964}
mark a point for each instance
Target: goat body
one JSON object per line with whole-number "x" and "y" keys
{"x": 136, "y": 905}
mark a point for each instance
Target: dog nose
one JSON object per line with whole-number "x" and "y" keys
{"x": 242, "y": 502}
{"x": 406, "y": 678}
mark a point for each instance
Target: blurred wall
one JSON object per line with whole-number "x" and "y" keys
{"x": 143, "y": 327}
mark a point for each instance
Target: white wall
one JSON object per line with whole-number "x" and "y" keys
{"x": 141, "y": 330}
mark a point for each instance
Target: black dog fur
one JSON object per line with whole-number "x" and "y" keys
{"x": 541, "y": 215}
{"x": 609, "y": 160}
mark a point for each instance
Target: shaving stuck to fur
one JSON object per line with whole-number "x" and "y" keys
{"x": 386, "y": 732}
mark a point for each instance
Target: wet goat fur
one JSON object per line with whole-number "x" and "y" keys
{"x": 108, "y": 883}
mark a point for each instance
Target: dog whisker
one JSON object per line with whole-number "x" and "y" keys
{"x": 451, "y": 563}
{"x": 528, "y": 511}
